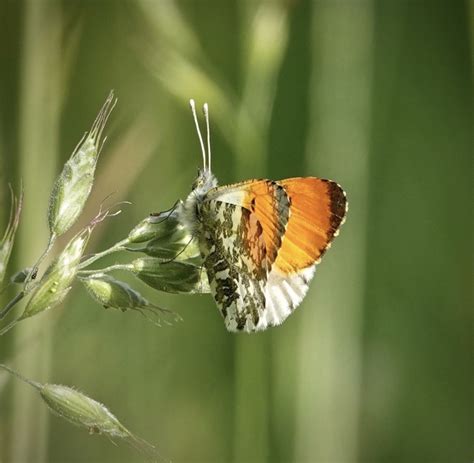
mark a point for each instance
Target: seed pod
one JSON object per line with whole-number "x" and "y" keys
{"x": 56, "y": 281}
{"x": 179, "y": 245}
{"x": 166, "y": 238}
{"x": 153, "y": 226}
{"x": 111, "y": 292}
{"x": 74, "y": 184}
{"x": 117, "y": 294}
{"x": 82, "y": 411}
{"x": 6, "y": 243}
{"x": 171, "y": 277}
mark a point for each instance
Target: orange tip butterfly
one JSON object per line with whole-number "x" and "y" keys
{"x": 260, "y": 240}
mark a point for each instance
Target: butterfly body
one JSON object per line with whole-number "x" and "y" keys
{"x": 260, "y": 241}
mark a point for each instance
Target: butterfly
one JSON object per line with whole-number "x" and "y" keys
{"x": 260, "y": 240}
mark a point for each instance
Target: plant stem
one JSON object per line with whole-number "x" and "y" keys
{"x": 41, "y": 67}
{"x": 11, "y": 304}
{"x": 120, "y": 246}
{"x": 328, "y": 404}
{"x": 111, "y": 268}
{"x": 252, "y": 356}
{"x": 34, "y": 269}
{"x": 19, "y": 376}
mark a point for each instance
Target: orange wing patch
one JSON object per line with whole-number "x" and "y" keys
{"x": 253, "y": 238}
{"x": 270, "y": 204}
{"x": 317, "y": 209}
{"x": 299, "y": 217}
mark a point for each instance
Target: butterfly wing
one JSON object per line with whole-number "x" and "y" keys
{"x": 261, "y": 240}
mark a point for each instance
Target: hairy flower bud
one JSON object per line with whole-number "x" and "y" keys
{"x": 171, "y": 277}
{"x": 165, "y": 238}
{"x": 116, "y": 294}
{"x": 110, "y": 292}
{"x": 56, "y": 281}
{"x": 83, "y": 411}
{"x": 74, "y": 184}
{"x": 153, "y": 226}
{"x": 180, "y": 246}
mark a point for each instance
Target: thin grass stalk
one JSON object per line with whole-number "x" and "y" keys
{"x": 470, "y": 7}
{"x": 3, "y": 224}
{"x": 38, "y": 148}
{"x": 265, "y": 38}
{"x": 267, "y": 31}
{"x": 4, "y": 180}
{"x": 330, "y": 333}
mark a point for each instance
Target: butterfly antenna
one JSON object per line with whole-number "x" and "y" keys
{"x": 198, "y": 130}
{"x": 205, "y": 109}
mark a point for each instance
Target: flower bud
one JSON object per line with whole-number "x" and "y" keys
{"x": 56, "y": 281}
{"x": 6, "y": 243}
{"x": 81, "y": 410}
{"x": 111, "y": 292}
{"x": 171, "y": 277}
{"x": 153, "y": 226}
{"x": 166, "y": 239}
{"x": 179, "y": 245}
{"x": 117, "y": 294}
{"x": 74, "y": 184}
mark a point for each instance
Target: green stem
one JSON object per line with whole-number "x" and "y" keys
{"x": 331, "y": 337}
{"x": 20, "y": 377}
{"x": 42, "y": 79}
{"x": 120, "y": 246}
{"x": 11, "y": 304}
{"x": 34, "y": 269}
{"x": 8, "y": 327}
{"x": 111, "y": 268}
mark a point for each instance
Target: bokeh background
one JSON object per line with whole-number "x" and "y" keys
{"x": 376, "y": 365}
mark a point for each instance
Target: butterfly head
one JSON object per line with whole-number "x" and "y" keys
{"x": 204, "y": 181}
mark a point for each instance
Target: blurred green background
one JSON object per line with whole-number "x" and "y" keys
{"x": 376, "y": 365}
